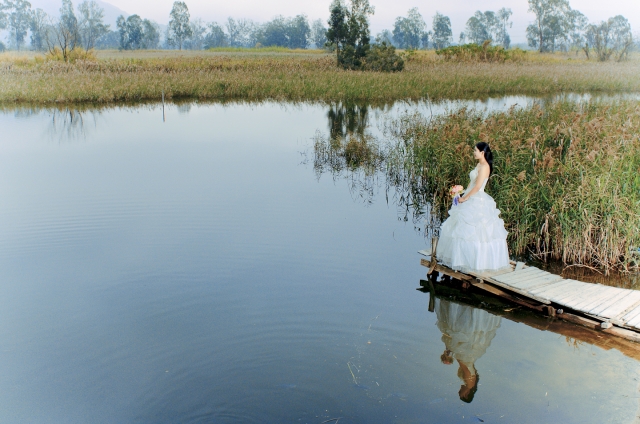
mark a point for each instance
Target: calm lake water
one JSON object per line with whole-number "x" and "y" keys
{"x": 197, "y": 270}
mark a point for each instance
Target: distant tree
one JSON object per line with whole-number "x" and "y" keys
{"x": 293, "y": 33}
{"x": 318, "y": 35}
{"x": 385, "y": 36}
{"x": 408, "y": 32}
{"x": 215, "y": 37}
{"x": 358, "y": 34}
{"x": 442, "y": 34}
{"x": 337, "y": 32}
{"x": 298, "y": 32}
{"x": 504, "y": 22}
{"x": 2, "y": 47}
{"x": 150, "y": 35}
{"x": 91, "y": 23}
{"x": 111, "y": 40}
{"x": 39, "y": 27}
{"x": 488, "y": 25}
{"x": 18, "y": 20}
{"x": 349, "y": 32}
{"x": 476, "y": 30}
{"x": 577, "y": 37}
{"x": 273, "y": 33}
{"x": 131, "y": 32}
{"x": 3, "y": 18}
{"x": 179, "y": 28}
{"x": 611, "y": 38}
{"x": 554, "y": 23}
{"x": 63, "y": 35}
{"x": 241, "y": 32}
{"x": 69, "y": 23}
{"x": 198, "y": 32}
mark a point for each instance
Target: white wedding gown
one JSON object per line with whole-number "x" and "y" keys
{"x": 473, "y": 238}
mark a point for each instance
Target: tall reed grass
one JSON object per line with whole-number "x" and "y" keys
{"x": 297, "y": 77}
{"x": 566, "y": 176}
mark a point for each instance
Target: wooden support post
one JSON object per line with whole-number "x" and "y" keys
{"x": 434, "y": 261}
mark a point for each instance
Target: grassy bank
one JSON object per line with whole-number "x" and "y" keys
{"x": 566, "y": 177}
{"x": 220, "y": 75}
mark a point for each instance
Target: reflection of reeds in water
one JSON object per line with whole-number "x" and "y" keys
{"x": 566, "y": 177}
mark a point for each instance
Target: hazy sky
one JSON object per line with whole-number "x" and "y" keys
{"x": 386, "y": 10}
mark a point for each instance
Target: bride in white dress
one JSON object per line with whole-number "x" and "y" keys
{"x": 473, "y": 238}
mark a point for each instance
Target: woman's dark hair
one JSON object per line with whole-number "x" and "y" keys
{"x": 469, "y": 397}
{"x": 484, "y": 147}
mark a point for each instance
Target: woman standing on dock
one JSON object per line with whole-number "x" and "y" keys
{"x": 473, "y": 238}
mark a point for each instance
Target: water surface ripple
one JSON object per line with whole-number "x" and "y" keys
{"x": 195, "y": 270}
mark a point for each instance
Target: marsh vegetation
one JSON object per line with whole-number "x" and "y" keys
{"x": 567, "y": 175}
{"x": 114, "y": 77}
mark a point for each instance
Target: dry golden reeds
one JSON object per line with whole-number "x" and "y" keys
{"x": 296, "y": 77}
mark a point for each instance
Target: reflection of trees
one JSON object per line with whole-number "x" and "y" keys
{"x": 353, "y": 153}
{"x": 68, "y": 124}
{"x": 350, "y": 151}
{"x": 347, "y": 119}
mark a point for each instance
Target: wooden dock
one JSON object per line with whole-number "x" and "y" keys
{"x": 610, "y": 309}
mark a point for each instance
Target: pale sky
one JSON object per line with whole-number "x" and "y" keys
{"x": 386, "y": 11}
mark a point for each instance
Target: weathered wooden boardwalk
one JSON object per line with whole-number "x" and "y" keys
{"x": 614, "y": 309}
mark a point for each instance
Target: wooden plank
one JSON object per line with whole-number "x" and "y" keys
{"x": 630, "y": 315}
{"x": 557, "y": 289}
{"x": 531, "y": 276}
{"x": 584, "y": 292}
{"x": 579, "y": 298}
{"x": 520, "y": 292}
{"x": 541, "y": 291}
{"x": 531, "y": 285}
{"x": 598, "y": 299}
{"x": 635, "y": 322}
{"x": 628, "y": 307}
{"x": 486, "y": 275}
{"x": 576, "y": 288}
{"x": 536, "y": 280}
{"x": 599, "y": 305}
{"x": 552, "y": 289}
{"x": 595, "y": 298}
{"x": 616, "y": 305}
{"x": 516, "y": 275}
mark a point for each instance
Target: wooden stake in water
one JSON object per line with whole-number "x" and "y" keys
{"x": 163, "y": 119}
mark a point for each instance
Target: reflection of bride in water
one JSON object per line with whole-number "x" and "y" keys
{"x": 467, "y": 333}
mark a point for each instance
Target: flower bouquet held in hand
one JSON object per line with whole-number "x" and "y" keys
{"x": 455, "y": 193}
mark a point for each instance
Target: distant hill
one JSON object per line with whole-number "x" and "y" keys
{"x": 52, "y": 7}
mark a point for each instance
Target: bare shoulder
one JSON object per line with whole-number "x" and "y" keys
{"x": 484, "y": 170}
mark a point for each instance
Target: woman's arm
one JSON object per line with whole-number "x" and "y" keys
{"x": 483, "y": 174}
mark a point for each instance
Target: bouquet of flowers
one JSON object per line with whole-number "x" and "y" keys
{"x": 454, "y": 192}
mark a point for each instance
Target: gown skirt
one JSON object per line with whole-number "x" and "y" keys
{"x": 473, "y": 237}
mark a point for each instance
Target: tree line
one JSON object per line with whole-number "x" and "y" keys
{"x": 556, "y": 26}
